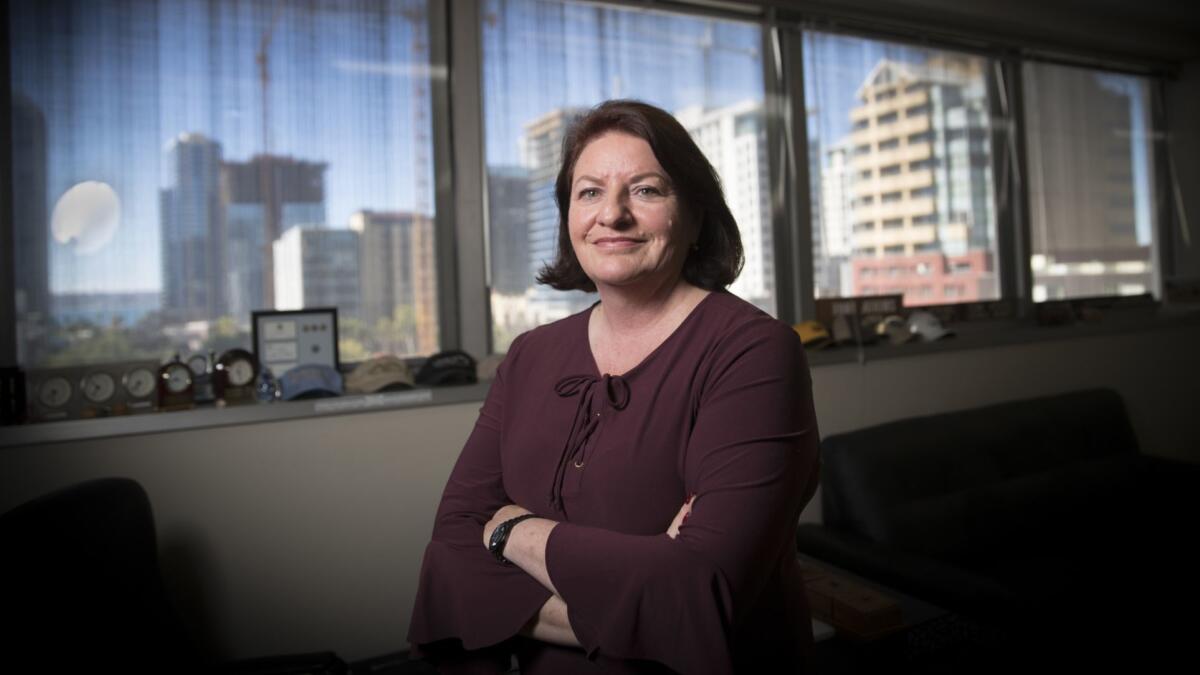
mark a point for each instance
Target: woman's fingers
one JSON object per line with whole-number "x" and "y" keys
{"x": 681, "y": 517}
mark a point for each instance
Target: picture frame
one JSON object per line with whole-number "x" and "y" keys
{"x": 284, "y": 339}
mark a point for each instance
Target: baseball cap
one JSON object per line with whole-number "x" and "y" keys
{"x": 449, "y": 367}
{"x": 927, "y": 326}
{"x": 381, "y": 373}
{"x": 310, "y": 380}
{"x": 894, "y": 329}
{"x": 812, "y": 334}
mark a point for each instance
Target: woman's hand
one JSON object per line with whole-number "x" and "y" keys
{"x": 681, "y": 517}
{"x": 505, "y": 513}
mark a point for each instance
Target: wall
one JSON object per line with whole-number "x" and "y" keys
{"x": 308, "y": 535}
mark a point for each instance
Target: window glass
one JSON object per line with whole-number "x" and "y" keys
{"x": 1091, "y": 182}
{"x": 180, "y": 164}
{"x": 943, "y": 189}
{"x": 544, "y": 63}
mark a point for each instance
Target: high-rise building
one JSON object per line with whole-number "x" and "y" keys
{"x": 922, "y": 181}
{"x": 265, "y": 197}
{"x": 398, "y": 277}
{"x": 541, "y": 147}
{"x": 1081, "y": 190}
{"x": 314, "y": 267}
{"x": 508, "y": 229}
{"x": 734, "y": 139}
{"x": 31, "y": 228}
{"x": 192, "y": 238}
{"x": 833, "y": 250}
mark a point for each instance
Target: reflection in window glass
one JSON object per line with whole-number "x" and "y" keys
{"x": 1091, "y": 177}
{"x": 545, "y": 62}
{"x": 181, "y": 164}
{"x": 946, "y": 188}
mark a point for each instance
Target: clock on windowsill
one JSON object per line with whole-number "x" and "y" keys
{"x": 234, "y": 377}
{"x": 175, "y": 385}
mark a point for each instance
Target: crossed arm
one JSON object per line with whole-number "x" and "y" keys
{"x": 526, "y": 548}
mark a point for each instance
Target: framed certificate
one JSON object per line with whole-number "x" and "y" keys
{"x": 289, "y": 338}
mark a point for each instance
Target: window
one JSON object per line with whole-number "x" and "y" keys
{"x": 1091, "y": 188}
{"x": 159, "y": 200}
{"x": 546, "y": 61}
{"x": 885, "y": 95}
{"x": 843, "y": 76}
{"x": 862, "y": 124}
{"x": 865, "y": 174}
{"x": 866, "y": 200}
{"x": 864, "y": 226}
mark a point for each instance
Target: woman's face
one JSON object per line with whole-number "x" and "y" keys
{"x": 624, "y": 217}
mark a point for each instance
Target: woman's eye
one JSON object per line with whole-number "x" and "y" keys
{"x": 647, "y": 191}
{"x": 588, "y": 193}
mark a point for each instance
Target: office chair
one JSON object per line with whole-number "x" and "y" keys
{"x": 81, "y": 591}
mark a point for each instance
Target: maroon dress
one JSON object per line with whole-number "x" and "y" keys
{"x": 722, "y": 409}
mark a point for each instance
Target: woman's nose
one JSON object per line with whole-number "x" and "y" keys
{"x": 614, "y": 212}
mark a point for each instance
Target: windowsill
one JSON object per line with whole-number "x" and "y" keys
{"x": 982, "y": 335}
{"x": 990, "y": 334}
{"x": 211, "y": 416}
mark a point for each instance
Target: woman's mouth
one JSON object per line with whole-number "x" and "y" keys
{"x": 616, "y": 242}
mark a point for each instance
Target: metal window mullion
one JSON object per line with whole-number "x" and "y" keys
{"x": 1005, "y": 176}
{"x": 464, "y": 173}
{"x": 8, "y": 256}
{"x": 1022, "y": 239}
{"x": 1162, "y": 242}
{"x": 793, "y": 222}
{"x": 775, "y": 114}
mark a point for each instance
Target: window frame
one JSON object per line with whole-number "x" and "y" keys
{"x": 460, "y": 197}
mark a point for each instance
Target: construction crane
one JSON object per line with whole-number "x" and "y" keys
{"x": 266, "y": 183}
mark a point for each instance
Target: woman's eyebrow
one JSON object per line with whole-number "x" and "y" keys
{"x": 641, "y": 176}
{"x": 650, "y": 174}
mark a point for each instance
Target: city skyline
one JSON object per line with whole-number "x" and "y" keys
{"x": 175, "y": 123}
{"x": 116, "y": 114}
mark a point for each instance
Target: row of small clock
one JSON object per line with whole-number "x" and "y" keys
{"x": 142, "y": 386}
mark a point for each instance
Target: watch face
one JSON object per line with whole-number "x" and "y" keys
{"x": 178, "y": 378}
{"x": 98, "y": 387}
{"x": 139, "y": 383}
{"x": 54, "y": 392}
{"x": 241, "y": 372}
{"x": 198, "y": 364}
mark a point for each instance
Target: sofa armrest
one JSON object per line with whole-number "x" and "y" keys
{"x": 929, "y": 579}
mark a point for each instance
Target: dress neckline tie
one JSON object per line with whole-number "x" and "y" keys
{"x": 615, "y": 392}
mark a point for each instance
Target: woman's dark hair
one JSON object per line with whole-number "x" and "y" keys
{"x": 718, "y": 258}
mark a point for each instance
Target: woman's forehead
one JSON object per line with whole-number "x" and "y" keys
{"x": 615, "y": 152}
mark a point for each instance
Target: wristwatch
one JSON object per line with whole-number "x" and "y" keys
{"x": 500, "y": 536}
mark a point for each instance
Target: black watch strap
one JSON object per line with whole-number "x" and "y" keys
{"x": 500, "y": 536}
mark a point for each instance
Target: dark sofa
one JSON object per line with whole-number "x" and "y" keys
{"x": 1037, "y": 517}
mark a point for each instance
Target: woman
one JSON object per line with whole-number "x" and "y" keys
{"x": 627, "y": 501}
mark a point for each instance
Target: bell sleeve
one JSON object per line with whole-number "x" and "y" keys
{"x": 463, "y": 593}
{"x": 751, "y": 460}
